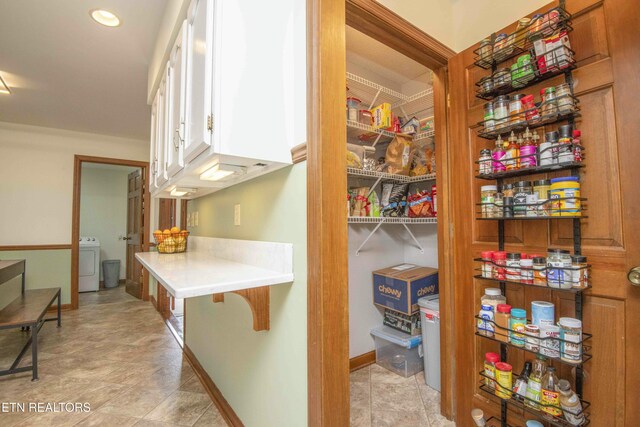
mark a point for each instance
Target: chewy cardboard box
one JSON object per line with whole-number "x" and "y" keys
{"x": 400, "y": 287}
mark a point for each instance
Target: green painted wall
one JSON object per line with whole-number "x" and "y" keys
{"x": 45, "y": 269}
{"x": 263, "y": 375}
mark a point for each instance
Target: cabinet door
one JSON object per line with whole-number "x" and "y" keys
{"x": 199, "y": 77}
{"x": 177, "y": 74}
{"x": 161, "y": 148}
{"x": 153, "y": 144}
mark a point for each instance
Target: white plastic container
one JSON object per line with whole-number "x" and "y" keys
{"x": 398, "y": 352}
{"x": 430, "y": 320}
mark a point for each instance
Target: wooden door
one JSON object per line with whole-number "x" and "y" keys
{"x": 606, "y": 40}
{"x": 166, "y": 213}
{"x": 134, "y": 233}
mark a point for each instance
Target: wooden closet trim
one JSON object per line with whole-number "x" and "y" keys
{"x": 35, "y": 247}
{"x": 379, "y": 22}
{"x": 75, "y": 217}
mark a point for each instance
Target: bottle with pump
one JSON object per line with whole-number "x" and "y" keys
{"x": 550, "y": 396}
{"x": 498, "y": 155}
{"x": 570, "y": 404}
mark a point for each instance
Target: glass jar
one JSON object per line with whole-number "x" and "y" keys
{"x": 501, "y": 111}
{"x": 534, "y": 28}
{"x": 549, "y": 102}
{"x": 532, "y": 343}
{"x": 485, "y": 162}
{"x": 490, "y": 360}
{"x": 516, "y": 110}
{"x": 526, "y": 271}
{"x": 507, "y": 207}
{"x": 549, "y": 149}
{"x": 564, "y": 98}
{"x": 502, "y": 78}
{"x": 517, "y": 326}
{"x": 499, "y": 266}
{"x": 489, "y": 116}
{"x": 493, "y": 297}
{"x": 571, "y": 339}
{"x": 487, "y": 264}
{"x": 559, "y": 268}
{"x": 521, "y": 190}
{"x": 531, "y": 113}
{"x": 521, "y": 32}
{"x": 485, "y": 51}
{"x": 507, "y": 190}
{"x": 503, "y": 322}
{"x": 488, "y": 199}
{"x": 565, "y": 144}
{"x": 580, "y": 272}
{"x": 532, "y": 205}
{"x": 486, "y": 85}
{"x": 501, "y": 47}
{"x": 513, "y": 267}
{"x": 541, "y": 188}
{"x": 540, "y": 271}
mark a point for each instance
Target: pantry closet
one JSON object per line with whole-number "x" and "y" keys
{"x": 382, "y": 237}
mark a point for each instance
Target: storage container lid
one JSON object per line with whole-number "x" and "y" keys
{"x": 489, "y": 188}
{"x": 503, "y": 308}
{"x": 565, "y": 178}
{"x": 432, "y": 302}
{"x": 519, "y": 313}
{"x": 570, "y": 322}
{"x": 534, "y": 423}
{"x": 492, "y": 357}
{"x": 493, "y": 291}
{"x": 397, "y": 337}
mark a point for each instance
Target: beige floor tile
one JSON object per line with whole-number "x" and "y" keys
{"x": 437, "y": 420}
{"x": 151, "y": 423}
{"x": 399, "y": 419}
{"x": 361, "y": 375}
{"x": 211, "y": 418}
{"x": 193, "y": 384}
{"x": 360, "y": 416}
{"x": 107, "y": 420}
{"x": 54, "y": 419}
{"x": 181, "y": 408}
{"x": 382, "y": 375}
{"x": 10, "y": 419}
{"x": 395, "y": 397}
{"x": 134, "y": 402}
{"x": 98, "y": 393}
{"x": 360, "y": 395}
{"x": 430, "y": 397}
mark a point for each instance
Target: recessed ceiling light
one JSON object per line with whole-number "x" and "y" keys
{"x": 4, "y": 89}
{"x": 105, "y": 17}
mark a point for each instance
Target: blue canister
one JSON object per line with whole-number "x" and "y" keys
{"x": 542, "y": 313}
{"x": 534, "y": 423}
{"x": 517, "y": 325}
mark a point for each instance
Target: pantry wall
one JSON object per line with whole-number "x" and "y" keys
{"x": 376, "y": 74}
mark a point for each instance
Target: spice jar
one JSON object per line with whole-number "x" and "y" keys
{"x": 571, "y": 339}
{"x": 522, "y": 190}
{"x": 487, "y": 264}
{"x": 577, "y": 146}
{"x": 521, "y": 32}
{"x": 532, "y": 205}
{"x": 513, "y": 266}
{"x": 485, "y": 51}
{"x": 532, "y": 343}
{"x": 503, "y": 322}
{"x": 517, "y": 326}
{"x": 489, "y": 116}
{"x": 501, "y": 111}
{"x": 534, "y": 27}
{"x": 531, "y": 113}
{"x": 500, "y": 47}
{"x": 485, "y": 320}
{"x": 526, "y": 271}
{"x": 486, "y": 85}
{"x": 486, "y": 166}
{"x": 488, "y": 199}
{"x": 580, "y": 272}
{"x": 490, "y": 360}
{"x": 565, "y": 145}
{"x": 558, "y": 264}
{"x": 502, "y": 78}
{"x": 549, "y": 103}
{"x": 541, "y": 188}
{"x": 549, "y": 344}
{"x": 353, "y": 106}
{"x": 507, "y": 190}
{"x": 499, "y": 266}
{"x": 498, "y": 155}
{"x": 507, "y": 207}
{"x": 504, "y": 378}
{"x": 539, "y": 271}
{"x": 564, "y": 98}
{"x": 493, "y": 297}
{"x": 548, "y": 149}
{"x": 516, "y": 111}
{"x": 565, "y": 194}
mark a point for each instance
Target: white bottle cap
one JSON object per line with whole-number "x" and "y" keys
{"x": 493, "y": 292}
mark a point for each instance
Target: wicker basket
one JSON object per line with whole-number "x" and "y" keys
{"x": 173, "y": 243}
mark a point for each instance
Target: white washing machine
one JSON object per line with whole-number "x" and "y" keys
{"x": 89, "y": 264}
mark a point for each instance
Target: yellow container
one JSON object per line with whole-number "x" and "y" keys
{"x": 381, "y": 116}
{"x": 565, "y": 196}
{"x": 504, "y": 378}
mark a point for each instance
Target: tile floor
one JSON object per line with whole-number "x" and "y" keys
{"x": 381, "y": 398}
{"x": 115, "y": 353}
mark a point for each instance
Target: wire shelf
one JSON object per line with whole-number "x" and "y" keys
{"x": 390, "y": 220}
{"x": 360, "y": 173}
{"x": 522, "y": 403}
{"x": 528, "y": 170}
{"x": 360, "y": 132}
{"x": 547, "y": 209}
{"x": 424, "y": 135}
{"x": 569, "y": 290}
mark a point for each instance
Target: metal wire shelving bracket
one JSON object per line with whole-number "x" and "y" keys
{"x": 391, "y": 220}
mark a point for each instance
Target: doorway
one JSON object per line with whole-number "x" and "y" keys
{"x": 109, "y": 221}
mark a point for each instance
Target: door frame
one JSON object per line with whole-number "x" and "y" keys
{"x": 327, "y": 295}
{"x": 78, "y": 160}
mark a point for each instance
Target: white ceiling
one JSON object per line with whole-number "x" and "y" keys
{"x": 66, "y": 71}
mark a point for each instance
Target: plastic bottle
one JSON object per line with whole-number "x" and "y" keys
{"x": 570, "y": 403}
{"x": 490, "y": 360}
{"x": 528, "y": 151}
{"x": 534, "y": 385}
{"x": 498, "y": 155}
{"x": 512, "y": 153}
{"x": 550, "y": 396}
{"x": 478, "y": 417}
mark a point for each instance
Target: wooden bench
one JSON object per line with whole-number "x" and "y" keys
{"x": 26, "y": 312}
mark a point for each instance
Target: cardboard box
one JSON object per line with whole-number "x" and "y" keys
{"x": 402, "y": 322}
{"x": 400, "y": 287}
{"x": 381, "y": 116}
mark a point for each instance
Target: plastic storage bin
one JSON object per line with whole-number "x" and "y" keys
{"x": 398, "y": 352}
{"x": 430, "y": 320}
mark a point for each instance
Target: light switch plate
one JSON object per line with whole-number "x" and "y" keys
{"x": 236, "y": 215}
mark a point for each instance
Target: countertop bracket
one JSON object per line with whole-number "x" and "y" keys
{"x": 258, "y": 300}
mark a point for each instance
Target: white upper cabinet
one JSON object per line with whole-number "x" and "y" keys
{"x": 153, "y": 144}
{"x": 177, "y": 91}
{"x": 235, "y": 95}
{"x": 162, "y": 130}
{"x": 199, "y": 77}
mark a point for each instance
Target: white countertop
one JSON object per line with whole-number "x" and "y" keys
{"x": 205, "y": 272}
